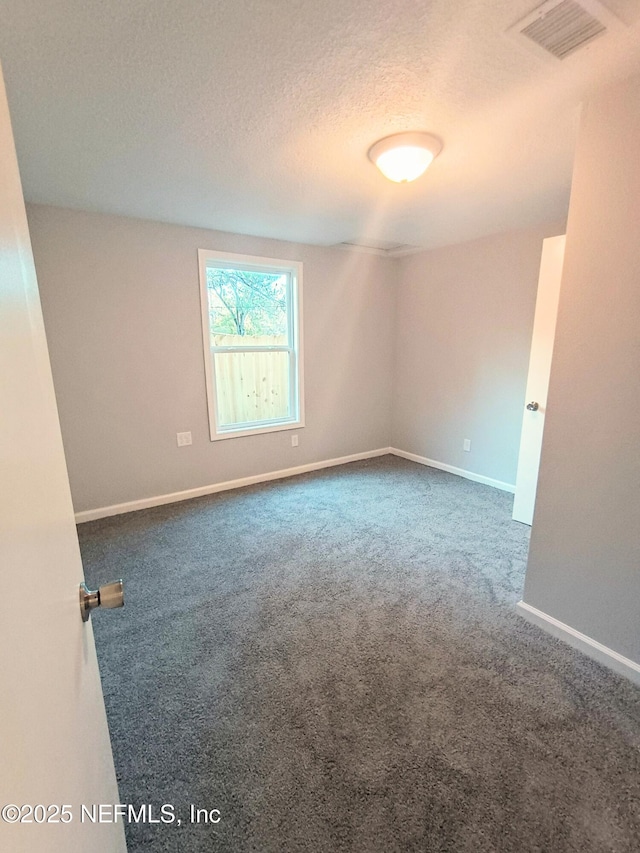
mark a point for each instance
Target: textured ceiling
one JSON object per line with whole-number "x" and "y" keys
{"x": 256, "y": 116}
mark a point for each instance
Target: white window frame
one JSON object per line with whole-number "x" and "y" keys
{"x": 228, "y": 260}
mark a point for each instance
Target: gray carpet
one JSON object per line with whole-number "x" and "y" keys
{"x": 334, "y": 662}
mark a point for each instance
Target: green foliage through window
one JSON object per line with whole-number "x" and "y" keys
{"x": 242, "y": 302}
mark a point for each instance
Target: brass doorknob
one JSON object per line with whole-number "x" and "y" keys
{"x": 110, "y": 595}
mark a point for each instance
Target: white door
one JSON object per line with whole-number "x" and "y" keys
{"x": 544, "y": 331}
{"x": 54, "y": 742}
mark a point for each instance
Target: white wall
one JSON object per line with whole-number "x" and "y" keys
{"x": 121, "y": 305}
{"x": 584, "y": 564}
{"x": 464, "y": 320}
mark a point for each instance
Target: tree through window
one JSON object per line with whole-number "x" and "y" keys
{"x": 247, "y": 303}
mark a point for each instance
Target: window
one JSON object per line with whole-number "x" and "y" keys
{"x": 251, "y": 324}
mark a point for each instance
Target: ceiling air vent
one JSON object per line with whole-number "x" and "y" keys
{"x": 560, "y": 27}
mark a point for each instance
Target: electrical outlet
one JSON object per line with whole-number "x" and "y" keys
{"x": 466, "y": 444}
{"x": 294, "y": 441}
{"x": 184, "y": 438}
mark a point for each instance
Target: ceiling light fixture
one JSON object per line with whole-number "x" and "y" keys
{"x": 404, "y": 157}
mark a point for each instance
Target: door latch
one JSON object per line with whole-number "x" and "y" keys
{"x": 110, "y": 595}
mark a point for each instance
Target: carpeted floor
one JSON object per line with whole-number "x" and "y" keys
{"x": 334, "y": 662}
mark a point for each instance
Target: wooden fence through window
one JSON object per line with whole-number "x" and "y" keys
{"x": 251, "y": 386}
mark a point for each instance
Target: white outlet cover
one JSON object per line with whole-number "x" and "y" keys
{"x": 183, "y": 438}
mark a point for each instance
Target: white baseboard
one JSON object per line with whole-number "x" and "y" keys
{"x": 187, "y": 494}
{"x": 615, "y": 661}
{"x": 460, "y": 472}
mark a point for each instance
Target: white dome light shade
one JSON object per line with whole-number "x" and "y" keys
{"x": 405, "y": 156}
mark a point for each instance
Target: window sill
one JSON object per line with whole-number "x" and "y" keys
{"x": 258, "y": 430}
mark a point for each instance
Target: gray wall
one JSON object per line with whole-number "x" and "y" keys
{"x": 464, "y": 319}
{"x": 121, "y": 305}
{"x": 584, "y": 564}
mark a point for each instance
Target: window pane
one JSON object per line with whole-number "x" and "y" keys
{"x": 248, "y": 305}
{"x": 251, "y": 386}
